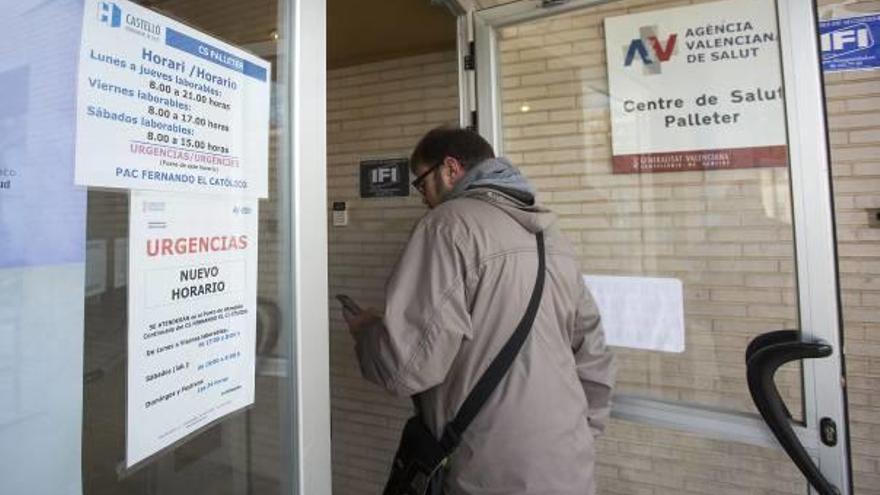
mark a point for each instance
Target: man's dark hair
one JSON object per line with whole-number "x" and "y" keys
{"x": 466, "y": 146}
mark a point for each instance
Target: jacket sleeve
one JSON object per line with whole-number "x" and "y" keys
{"x": 594, "y": 361}
{"x": 426, "y": 316}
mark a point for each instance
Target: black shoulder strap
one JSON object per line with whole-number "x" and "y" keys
{"x": 499, "y": 366}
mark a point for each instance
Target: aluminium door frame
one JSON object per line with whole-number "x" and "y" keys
{"x": 305, "y": 411}
{"x": 813, "y": 216}
{"x": 305, "y": 421}
{"x": 815, "y": 239}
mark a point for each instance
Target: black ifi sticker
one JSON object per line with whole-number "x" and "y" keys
{"x": 384, "y": 178}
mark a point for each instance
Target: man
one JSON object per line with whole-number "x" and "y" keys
{"x": 456, "y": 295}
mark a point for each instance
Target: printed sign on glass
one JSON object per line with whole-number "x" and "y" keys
{"x": 696, "y": 88}
{"x": 192, "y": 301}
{"x": 165, "y": 107}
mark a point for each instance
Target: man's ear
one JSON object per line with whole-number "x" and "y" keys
{"x": 455, "y": 169}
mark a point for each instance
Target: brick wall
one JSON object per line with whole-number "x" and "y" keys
{"x": 374, "y": 111}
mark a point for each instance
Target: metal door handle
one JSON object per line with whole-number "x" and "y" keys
{"x": 764, "y": 355}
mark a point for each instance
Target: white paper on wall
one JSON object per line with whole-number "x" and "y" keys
{"x": 640, "y": 312}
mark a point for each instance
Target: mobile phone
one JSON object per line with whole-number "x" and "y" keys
{"x": 348, "y": 303}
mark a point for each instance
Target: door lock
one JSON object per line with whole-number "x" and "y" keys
{"x": 828, "y": 431}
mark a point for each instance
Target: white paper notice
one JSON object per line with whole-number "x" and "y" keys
{"x": 640, "y": 312}
{"x": 192, "y": 315}
{"x": 162, "y": 106}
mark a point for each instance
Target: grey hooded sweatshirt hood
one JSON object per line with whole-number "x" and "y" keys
{"x": 497, "y": 181}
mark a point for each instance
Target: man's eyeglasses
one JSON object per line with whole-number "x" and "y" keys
{"x": 419, "y": 182}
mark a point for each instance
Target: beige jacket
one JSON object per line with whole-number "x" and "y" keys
{"x": 457, "y": 293}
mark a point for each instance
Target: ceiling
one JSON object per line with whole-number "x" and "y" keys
{"x": 358, "y": 31}
{"x": 362, "y": 31}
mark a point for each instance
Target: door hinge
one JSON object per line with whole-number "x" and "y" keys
{"x": 470, "y": 60}
{"x": 546, "y": 4}
{"x": 473, "y": 125}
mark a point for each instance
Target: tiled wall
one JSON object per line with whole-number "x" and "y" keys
{"x": 726, "y": 234}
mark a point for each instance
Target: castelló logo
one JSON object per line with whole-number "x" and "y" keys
{"x": 658, "y": 53}
{"x": 109, "y": 13}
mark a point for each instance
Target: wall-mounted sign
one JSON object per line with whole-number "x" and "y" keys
{"x": 162, "y": 106}
{"x": 852, "y": 43}
{"x": 383, "y": 178}
{"x": 192, "y": 301}
{"x": 696, "y": 88}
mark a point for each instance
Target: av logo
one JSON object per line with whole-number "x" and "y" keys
{"x": 381, "y": 175}
{"x": 650, "y": 49}
{"x": 109, "y": 13}
{"x": 846, "y": 40}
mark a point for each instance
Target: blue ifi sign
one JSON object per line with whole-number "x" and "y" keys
{"x": 850, "y": 43}
{"x": 384, "y": 178}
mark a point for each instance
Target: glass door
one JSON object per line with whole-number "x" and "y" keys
{"x": 166, "y": 333}
{"x": 684, "y": 149}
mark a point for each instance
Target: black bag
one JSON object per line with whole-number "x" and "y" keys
{"x": 420, "y": 458}
{"x": 418, "y": 463}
